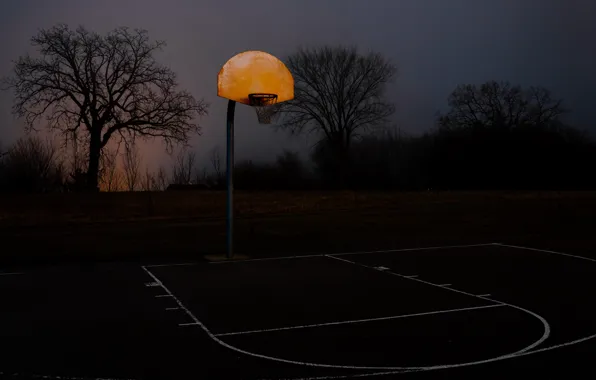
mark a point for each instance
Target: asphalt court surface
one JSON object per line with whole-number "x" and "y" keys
{"x": 484, "y": 311}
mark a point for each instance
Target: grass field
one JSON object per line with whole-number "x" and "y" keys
{"x": 185, "y": 225}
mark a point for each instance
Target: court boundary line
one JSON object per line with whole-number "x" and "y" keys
{"x": 544, "y": 251}
{"x": 323, "y": 255}
{"x": 545, "y": 324}
{"x": 395, "y": 369}
{"x": 55, "y": 377}
{"x": 355, "y": 321}
{"x": 369, "y": 374}
{"x": 539, "y": 350}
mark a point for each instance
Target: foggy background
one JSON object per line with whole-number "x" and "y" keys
{"x": 436, "y": 44}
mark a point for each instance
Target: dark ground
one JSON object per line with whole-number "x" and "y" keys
{"x": 116, "y": 227}
{"x": 83, "y": 308}
{"x": 117, "y": 321}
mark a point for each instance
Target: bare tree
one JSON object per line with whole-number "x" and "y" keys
{"x": 161, "y": 179}
{"x": 3, "y": 152}
{"x": 183, "y": 168}
{"x": 103, "y": 86}
{"x": 148, "y": 181}
{"x": 500, "y": 104}
{"x": 78, "y": 154}
{"x": 32, "y": 165}
{"x": 201, "y": 176}
{"x": 338, "y": 93}
{"x": 216, "y": 164}
{"x": 109, "y": 175}
{"x": 131, "y": 166}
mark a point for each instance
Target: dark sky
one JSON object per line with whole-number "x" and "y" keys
{"x": 436, "y": 45}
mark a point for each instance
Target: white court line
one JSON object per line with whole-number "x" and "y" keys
{"x": 412, "y": 249}
{"x": 269, "y": 259}
{"x": 323, "y": 255}
{"x": 169, "y": 265}
{"x": 188, "y": 324}
{"x": 370, "y": 374}
{"x": 545, "y": 324}
{"x": 320, "y": 365}
{"x": 54, "y": 377}
{"x": 163, "y": 295}
{"x": 360, "y": 320}
{"x": 11, "y": 274}
{"x": 393, "y": 370}
{"x": 445, "y": 285}
{"x": 544, "y": 251}
{"x": 484, "y": 295}
{"x": 413, "y": 276}
{"x": 172, "y": 308}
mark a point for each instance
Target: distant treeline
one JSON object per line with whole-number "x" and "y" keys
{"x": 477, "y": 157}
{"x": 474, "y": 158}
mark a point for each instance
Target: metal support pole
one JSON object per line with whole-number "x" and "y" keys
{"x": 230, "y": 179}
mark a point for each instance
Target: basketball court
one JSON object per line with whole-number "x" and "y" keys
{"x": 487, "y": 310}
{"x": 483, "y": 311}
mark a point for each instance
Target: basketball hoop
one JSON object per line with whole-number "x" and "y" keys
{"x": 264, "y": 106}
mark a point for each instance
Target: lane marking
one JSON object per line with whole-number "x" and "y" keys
{"x": 188, "y": 324}
{"x": 170, "y": 265}
{"x": 398, "y": 370}
{"x": 545, "y": 324}
{"x": 269, "y": 259}
{"x": 414, "y": 276}
{"x": 320, "y": 365}
{"x": 163, "y": 295}
{"x": 382, "y": 268}
{"x": 370, "y": 374}
{"x": 54, "y": 377}
{"x": 321, "y": 255}
{"x": 360, "y": 320}
{"x": 484, "y": 295}
{"x": 545, "y": 251}
{"x": 172, "y": 308}
{"x": 352, "y": 376}
{"x": 412, "y": 249}
{"x": 445, "y": 285}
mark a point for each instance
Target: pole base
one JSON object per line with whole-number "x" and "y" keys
{"x": 223, "y": 257}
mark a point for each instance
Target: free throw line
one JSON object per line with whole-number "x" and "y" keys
{"x": 399, "y": 369}
{"x": 360, "y": 320}
{"x": 545, "y": 324}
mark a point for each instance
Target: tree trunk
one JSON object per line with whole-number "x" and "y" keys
{"x": 344, "y": 167}
{"x": 94, "y": 154}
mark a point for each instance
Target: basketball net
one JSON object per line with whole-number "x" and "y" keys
{"x": 264, "y": 105}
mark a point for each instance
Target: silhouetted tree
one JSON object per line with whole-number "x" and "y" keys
{"x": 183, "y": 168}
{"x": 219, "y": 175}
{"x": 501, "y": 105}
{"x": 339, "y": 92}
{"x": 109, "y": 173}
{"x": 249, "y": 175}
{"x": 149, "y": 181}
{"x": 500, "y": 136}
{"x": 161, "y": 179}
{"x": 292, "y": 173}
{"x": 131, "y": 164}
{"x": 3, "y": 151}
{"x": 32, "y": 165}
{"x": 105, "y": 85}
